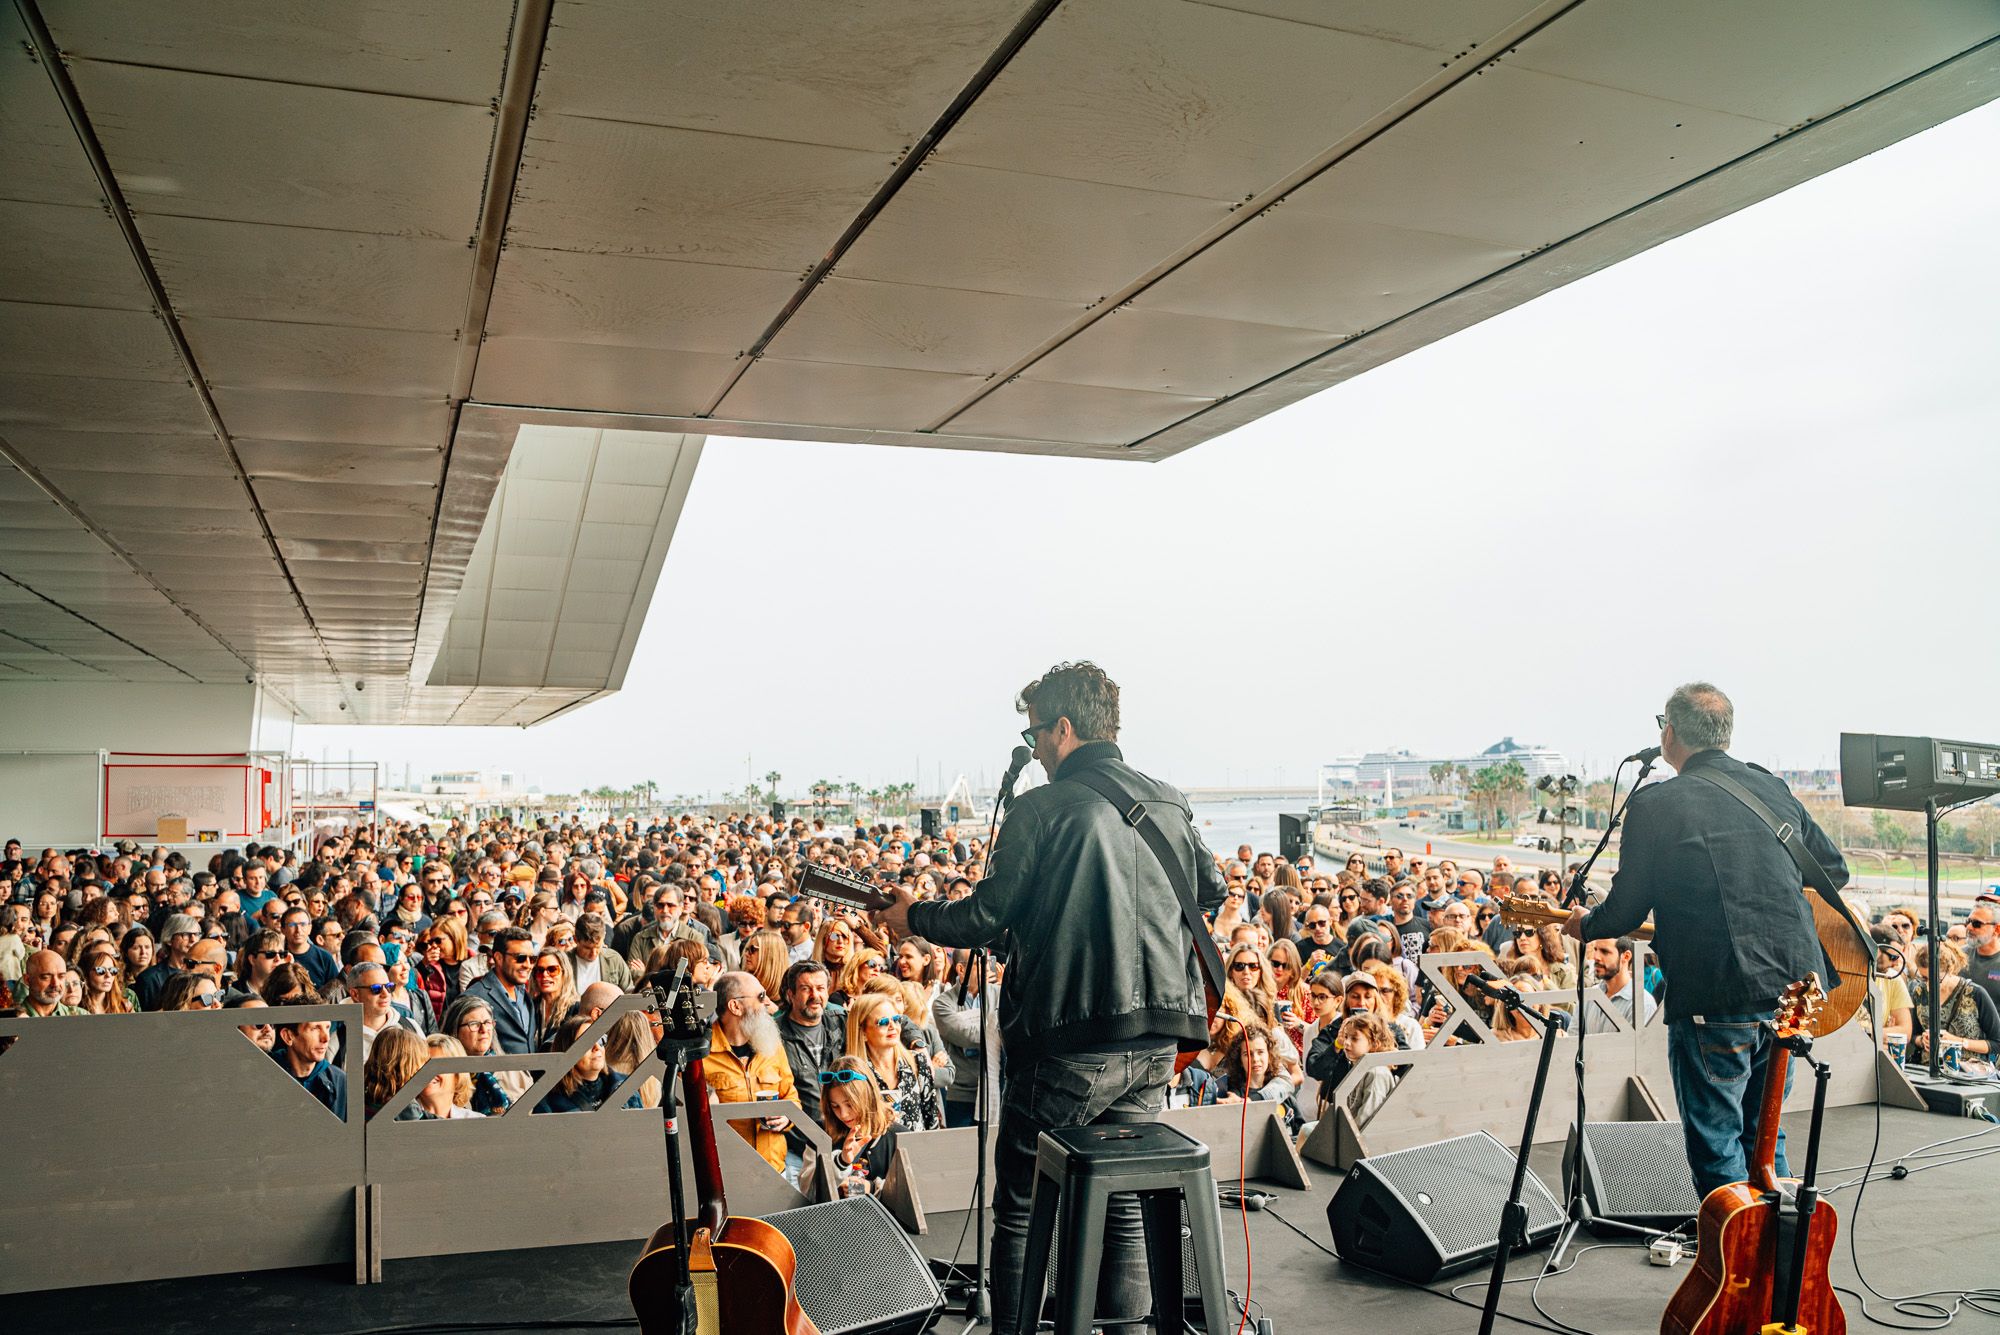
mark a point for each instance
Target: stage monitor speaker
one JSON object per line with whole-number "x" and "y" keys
{"x": 931, "y": 821}
{"x": 1434, "y": 1209}
{"x": 1294, "y": 835}
{"x": 777, "y": 811}
{"x": 859, "y": 1273}
{"x": 1634, "y": 1173}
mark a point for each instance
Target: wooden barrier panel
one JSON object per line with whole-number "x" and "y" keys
{"x": 163, "y": 1146}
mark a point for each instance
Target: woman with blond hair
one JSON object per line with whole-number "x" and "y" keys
{"x": 862, "y": 964}
{"x": 393, "y": 1058}
{"x": 447, "y": 1096}
{"x": 552, "y": 992}
{"x": 1294, "y": 999}
{"x": 875, "y": 1036}
{"x": 629, "y": 1043}
{"x": 766, "y": 956}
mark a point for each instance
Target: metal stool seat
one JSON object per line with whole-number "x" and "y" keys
{"x": 1077, "y": 1171}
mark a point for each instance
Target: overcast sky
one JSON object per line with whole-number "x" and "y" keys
{"x": 1766, "y": 454}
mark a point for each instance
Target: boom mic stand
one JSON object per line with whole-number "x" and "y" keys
{"x": 1514, "y": 1215}
{"x": 1577, "y": 1204}
{"x": 979, "y": 1306}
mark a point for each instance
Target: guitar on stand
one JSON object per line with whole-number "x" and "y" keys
{"x": 712, "y": 1273}
{"x": 1760, "y": 1263}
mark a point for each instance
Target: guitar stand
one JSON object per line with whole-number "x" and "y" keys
{"x": 1795, "y": 1224}
{"x": 1514, "y": 1215}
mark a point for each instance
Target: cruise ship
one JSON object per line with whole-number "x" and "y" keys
{"x": 1396, "y": 769}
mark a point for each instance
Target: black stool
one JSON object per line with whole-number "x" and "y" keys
{"x": 1077, "y": 1171}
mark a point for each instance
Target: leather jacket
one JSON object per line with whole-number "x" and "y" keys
{"x": 1099, "y": 955}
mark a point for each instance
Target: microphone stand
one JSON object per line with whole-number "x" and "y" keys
{"x": 979, "y": 1305}
{"x": 1514, "y": 1215}
{"x": 1577, "y": 1203}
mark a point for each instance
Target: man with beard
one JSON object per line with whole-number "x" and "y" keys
{"x": 746, "y": 1060}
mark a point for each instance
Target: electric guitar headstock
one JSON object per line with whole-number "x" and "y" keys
{"x": 1798, "y": 1006}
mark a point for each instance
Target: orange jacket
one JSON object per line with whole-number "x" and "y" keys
{"x": 730, "y": 1080}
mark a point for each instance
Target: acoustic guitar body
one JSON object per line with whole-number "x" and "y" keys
{"x": 1729, "y": 1290}
{"x": 750, "y": 1290}
{"x": 1849, "y": 946}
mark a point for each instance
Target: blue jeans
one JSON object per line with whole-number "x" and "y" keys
{"x": 1071, "y": 1089}
{"x": 1718, "y": 1067}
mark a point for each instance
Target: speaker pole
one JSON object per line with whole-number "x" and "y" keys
{"x": 1514, "y": 1214}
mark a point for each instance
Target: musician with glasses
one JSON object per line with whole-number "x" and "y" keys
{"x": 1101, "y": 984}
{"x": 1732, "y": 926}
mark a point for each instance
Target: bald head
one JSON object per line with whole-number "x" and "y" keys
{"x": 43, "y": 976}
{"x": 597, "y": 998}
{"x": 208, "y": 957}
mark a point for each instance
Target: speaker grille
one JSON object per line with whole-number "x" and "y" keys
{"x": 859, "y": 1274}
{"x": 1638, "y": 1170}
{"x": 1456, "y": 1187}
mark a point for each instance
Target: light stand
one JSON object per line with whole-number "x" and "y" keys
{"x": 1514, "y": 1215}
{"x": 1935, "y": 1043}
{"x": 1578, "y": 1204}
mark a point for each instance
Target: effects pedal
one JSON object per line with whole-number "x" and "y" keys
{"x": 1665, "y": 1251}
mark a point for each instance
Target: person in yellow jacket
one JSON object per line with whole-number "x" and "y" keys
{"x": 746, "y": 1060}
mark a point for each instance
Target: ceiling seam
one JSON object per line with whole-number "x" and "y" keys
{"x": 19, "y": 638}
{"x": 905, "y": 168}
{"x": 1257, "y": 205}
{"x": 51, "y": 58}
{"x": 90, "y": 526}
{"x": 1542, "y": 253}
{"x": 511, "y": 111}
{"x": 575, "y": 538}
{"x": 67, "y": 610}
{"x": 280, "y": 83}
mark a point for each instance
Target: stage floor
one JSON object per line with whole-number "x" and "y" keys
{"x": 1928, "y": 1231}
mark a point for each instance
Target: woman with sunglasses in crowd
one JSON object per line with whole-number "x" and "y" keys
{"x": 1293, "y": 1000}
{"x": 1252, "y": 997}
{"x": 861, "y": 1125}
{"x": 1541, "y": 951}
{"x": 434, "y": 972}
{"x": 863, "y": 963}
{"x": 875, "y": 1035}
{"x": 552, "y": 992}
{"x": 190, "y": 992}
{"x": 104, "y": 989}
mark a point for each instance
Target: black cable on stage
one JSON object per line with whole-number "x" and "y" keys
{"x": 1271, "y": 1213}
{"x": 455, "y": 1327}
{"x": 1919, "y": 1306}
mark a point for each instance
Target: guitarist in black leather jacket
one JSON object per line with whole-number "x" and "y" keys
{"x": 1731, "y": 924}
{"x": 1101, "y": 987}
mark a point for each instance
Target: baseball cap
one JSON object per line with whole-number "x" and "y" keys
{"x": 1430, "y": 905}
{"x": 1360, "y": 978}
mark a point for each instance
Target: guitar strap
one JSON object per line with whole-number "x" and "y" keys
{"x": 1178, "y": 875}
{"x": 1811, "y": 872}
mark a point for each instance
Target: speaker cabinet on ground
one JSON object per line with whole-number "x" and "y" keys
{"x": 859, "y": 1273}
{"x": 1434, "y": 1210}
{"x": 930, "y": 821}
{"x": 1635, "y": 1173}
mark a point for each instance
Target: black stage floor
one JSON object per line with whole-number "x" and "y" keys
{"x": 1931, "y": 1230}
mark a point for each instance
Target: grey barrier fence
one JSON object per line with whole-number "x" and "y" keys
{"x": 163, "y": 1146}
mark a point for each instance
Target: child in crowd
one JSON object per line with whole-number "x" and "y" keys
{"x": 861, "y": 1124}
{"x": 1359, "y": 1036}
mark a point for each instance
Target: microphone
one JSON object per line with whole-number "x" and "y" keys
{"x": 1016, "y": 763}
{"x": 1490, "y": 990}
{"x": 1645, "y": 756}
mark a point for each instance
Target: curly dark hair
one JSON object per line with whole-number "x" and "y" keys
{"x": 1079, "y": 692}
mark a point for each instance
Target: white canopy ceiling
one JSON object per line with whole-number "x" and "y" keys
{"x": 282, "y": 281}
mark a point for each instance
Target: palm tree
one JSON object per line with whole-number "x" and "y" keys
{"x": 771, "y": 781}
{"x": 1440, "y": 775}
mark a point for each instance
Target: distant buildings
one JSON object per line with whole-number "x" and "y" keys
{"x": 1392, "y": 771}
{"x": 470, "y": 786}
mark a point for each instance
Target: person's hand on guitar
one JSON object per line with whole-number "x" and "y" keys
{"x": 896, "y": 917}
{"x": 1573, "y": 925}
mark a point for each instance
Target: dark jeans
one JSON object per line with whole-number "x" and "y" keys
{"x": 1071, "y": 1089}
{"x": 1718, "y": 1068}
{"x": 960, "y": 1114}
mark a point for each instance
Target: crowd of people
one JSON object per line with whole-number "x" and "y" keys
{"x": 495, "y": 938}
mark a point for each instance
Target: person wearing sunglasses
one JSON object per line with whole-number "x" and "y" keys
{"x": 552, "y": 984}
{"x": 504, "y": 990}
{"x": 861, "y": 1124}
{"x": 104, "y": 989}
{"x": 190, "y": 992}
{"x": 1092, "y": 1014}
{"x": 746, "y": 1061}
{"x": 368, "y": 983}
